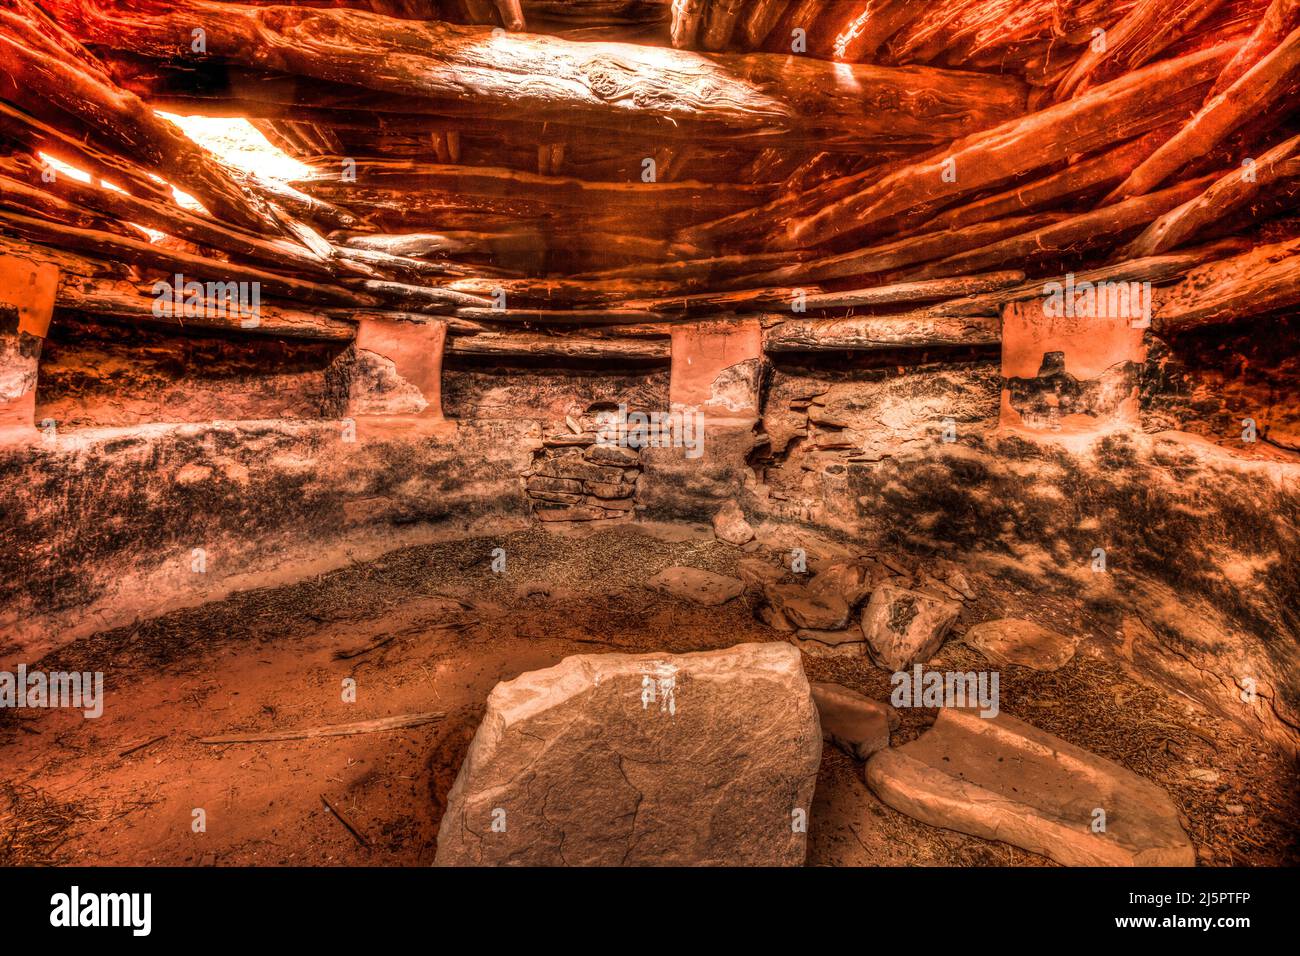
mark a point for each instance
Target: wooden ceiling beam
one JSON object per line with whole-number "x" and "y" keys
{"x": 529, "y": 76}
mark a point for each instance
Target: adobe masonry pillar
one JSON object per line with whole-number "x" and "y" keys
{"x": 716, "y": 371}
{"x": 397, "y": 372}
{"x": 27, "y": 292}
{"x": 1069, "y": 374}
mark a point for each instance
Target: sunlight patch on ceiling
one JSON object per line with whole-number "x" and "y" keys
{"x": 237, "y": 143}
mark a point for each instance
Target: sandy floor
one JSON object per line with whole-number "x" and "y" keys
{"x": 444, "y": 630}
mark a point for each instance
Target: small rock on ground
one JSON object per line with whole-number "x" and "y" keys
{"x": 857, "y": 725}
{"x": 696, "y": 584}
{"x": 903, "y": 626}
{"x": 729, "y": 525}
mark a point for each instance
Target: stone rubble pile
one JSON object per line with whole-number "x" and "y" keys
{"x": 871, "y": 606}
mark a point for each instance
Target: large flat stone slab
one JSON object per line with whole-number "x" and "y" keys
{"x": 1003, "y": 779}
{"x": 1010, "y": 640}
{"x": 696, "y": 584}
{"x": 845, "y": 643}
{"x": 641, "y": 759}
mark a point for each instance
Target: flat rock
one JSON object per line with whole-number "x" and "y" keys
{"x": 933, "y": 586}
{"x": 696, "y": 584}
{"x": 609, "y": 489}
{"x": 554, "y": 485}
{"x": 612, "y": 504}
{"x": 640, "y": 759}
{"x": 569, "y": 440}
{"x": 856, "y": 724}
{"x": 903, "y": 626}
{"x": 959, "y": 583}
{"x": 617, "y": 455}
{"x": 571, "y": 513}
{"x": 572, "y": 466}
{"x": 556, "y": 497}
{"x": 805, "y": 609}
{"x": 1012, "y": 641}
{"x": 847, "y": 580}
{"x": 756, "y": 571}
{"x": 729, "y": 524}
{"x": 1003, "y": 779}
{"x": 844, "y": 643}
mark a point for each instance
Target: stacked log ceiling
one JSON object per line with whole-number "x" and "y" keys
{"x": 570, "y": 179}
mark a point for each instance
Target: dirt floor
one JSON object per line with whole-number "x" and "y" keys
{"x": 434, "y": 629}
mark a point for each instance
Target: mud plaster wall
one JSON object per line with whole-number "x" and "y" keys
{"x": 87, "y": 515}
{"x": 475, "y": 388}
{"x": 823, "y": 415}
{"x": 98, "y": 373}
{"x": 1202, "y": 548}
{"x": 1207, "y": 382}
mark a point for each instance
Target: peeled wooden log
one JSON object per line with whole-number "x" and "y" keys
{"x": 577, "y": 246}
{"x": 745, "y": 300}
{"x": 405, "y": 188}
{"x": 1260, "y": 281}
{"x": 401, "y": 268}
{"x": 420, "y": 298}
{"x": 530, "y": 345}
{"x": 39, "y": 136}
{"x": 20, "y": 178}
{"x": 909, "y": 251}
{"x": 324, "y": 215}
{"x": 122, "y": 299}
{"x": 687, "y": 16}
{"x": 720, "y": 23}
{"x": 172, "y": 261}
{"x": 877, "y": 22}
{"x": 1111, "y": 113}
{"x": 844, "y": 106}
{"x": 21, "y": 198}
{"x": 872, "y": 333}
{"x": 1223, "y": 197}
{"x": 915, "y": 291}
{"x": 1148, "y": 28}
{"x": 472, "y": 72}
{"x": 1281, "y": 18}
{"x": 1158, "y": 270}
{"x": 40, "y": 79}
{"x": 691, "y": 271}
{"x": 1268, "y": 80}
{"x": 564, "y": 316}
{"x": 415, "y": 244}
{"x": 512, "y": 15}
{"x": 1081, "y": 179}
{"x": 562, "y": 293}
{"x": 984, "y": 32}
{"x": 1070, "y": 235}
{"x": 760, "y": 19}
